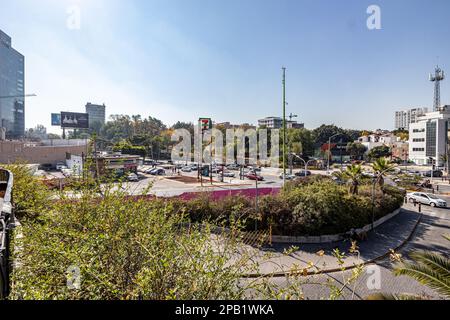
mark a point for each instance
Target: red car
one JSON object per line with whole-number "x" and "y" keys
{"x": 254, "y": 176}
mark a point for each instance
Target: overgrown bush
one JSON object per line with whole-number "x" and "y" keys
{"x": 309, "y": 206}
{"x": 123, "y": 249}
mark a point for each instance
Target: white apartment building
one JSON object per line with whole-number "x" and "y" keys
{"x": 378, "y": 140}
{"x": 403, "y": 119}
{"x": 429, "y": 137}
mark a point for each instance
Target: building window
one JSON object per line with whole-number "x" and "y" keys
{"x": 419, "y": 140}
{"x": 418, "y": 130}
{"x": 431, "y": 139}
{"x": 418, "y": 149}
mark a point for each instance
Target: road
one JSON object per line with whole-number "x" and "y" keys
{"x": 427, "y": 236}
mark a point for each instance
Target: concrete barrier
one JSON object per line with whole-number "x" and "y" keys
{"x": 335, "y": 237}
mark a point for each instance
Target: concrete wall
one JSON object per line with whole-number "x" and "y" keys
{"x": 13, "y": 151}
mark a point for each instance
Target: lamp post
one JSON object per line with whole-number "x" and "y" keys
{"x": 329, "y": 150}
{"x": 305, "y": 162}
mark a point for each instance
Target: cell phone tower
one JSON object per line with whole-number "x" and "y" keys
{"x": 437, "y": 78}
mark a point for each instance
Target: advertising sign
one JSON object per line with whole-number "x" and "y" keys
{"x": 74, "y": 120}
{"x": 56, "y": 119}
{"x": 205, "y": 123}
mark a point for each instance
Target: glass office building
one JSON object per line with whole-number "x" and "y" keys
{"x": 12, "y": 78}
{"x": 97, "y": 115}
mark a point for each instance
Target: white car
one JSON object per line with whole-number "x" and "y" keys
{"x": 229, "y": 174}
{"x": 426, "y": 198}
{"x": 133, "y": 177}
{"x": 186, "y": 169}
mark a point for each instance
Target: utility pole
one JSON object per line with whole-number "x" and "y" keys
{"x": 284, "y": 126}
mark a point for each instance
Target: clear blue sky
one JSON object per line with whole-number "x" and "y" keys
{"x": 181, "y": 59}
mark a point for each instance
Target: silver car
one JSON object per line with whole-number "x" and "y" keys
{"x": 426, "y": 198}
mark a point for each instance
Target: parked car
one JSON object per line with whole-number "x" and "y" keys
{"x": 254, "y": 168}
{"x": 186, "y": 169}
{"x": 436, "y": 173}
{"x": 368, "y": 174}
{"x": 217, "y": 169}
{"x": 233, "y": 167}
{"x": 254, "y": 176}
{"x": 194, "y": 167}
{"x": 427, "y": 198}
{"x": 229, "y": 174}
{"x": 303, "y": 173}
{"x": 60, "y": 166}
{"x": 133, "y": 177}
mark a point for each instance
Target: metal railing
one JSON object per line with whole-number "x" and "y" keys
{"x": 6, "y": 214}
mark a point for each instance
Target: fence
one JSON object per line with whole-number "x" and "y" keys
{"x": 6, "y": 213}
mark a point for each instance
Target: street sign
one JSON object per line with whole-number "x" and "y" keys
{"x": 205, "y": 123}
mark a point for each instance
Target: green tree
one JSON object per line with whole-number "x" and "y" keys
{"x": 353, "y": 174}
{"x": 380, "y": 152}
{"x": 381, "y": 166}
{"x": 356, "y": 150}
{"x": 428, "y": 268}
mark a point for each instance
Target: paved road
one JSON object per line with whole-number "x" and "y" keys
{"x": 428, "y": 236}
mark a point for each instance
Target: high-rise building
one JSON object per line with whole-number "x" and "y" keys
{"x": 12, "y": 89}
{"x": 429, "y": 137}
{"x": 97, "y": 114}
{"x": 404, "y": 118}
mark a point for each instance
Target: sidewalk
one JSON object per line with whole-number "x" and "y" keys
{"x": 390, "y": 235}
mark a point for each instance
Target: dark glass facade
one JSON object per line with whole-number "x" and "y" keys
{"x": 431, "y": 139}
{"x": 12, "y": 84}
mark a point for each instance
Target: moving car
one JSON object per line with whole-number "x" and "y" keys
{"x": 186, "y": 169}
{"x": 303, "y": 173}
{"x": 254, "y": 176}
{"x": 426, "y": 198}
{"x": 158, "y": 172}
{"x": 288, "y": 176}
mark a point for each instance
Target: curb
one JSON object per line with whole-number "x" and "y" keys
{"x": 334, "y": 270}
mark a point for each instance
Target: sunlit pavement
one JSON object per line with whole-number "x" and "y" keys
{"x": 428, "y": 236}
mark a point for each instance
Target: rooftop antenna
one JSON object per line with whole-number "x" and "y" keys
{"x": 437, "y": 78}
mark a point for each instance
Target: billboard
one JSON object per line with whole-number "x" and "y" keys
{"x": 56, "y": 119}
{"x": 74, "y": 120}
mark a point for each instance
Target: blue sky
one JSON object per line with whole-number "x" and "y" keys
{"x": 182, "y": 59}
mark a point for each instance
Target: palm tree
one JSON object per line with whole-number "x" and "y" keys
{"x": 430, "y": 269}
{"x": 382, "y": 166}
{"x": 353, "y": 175}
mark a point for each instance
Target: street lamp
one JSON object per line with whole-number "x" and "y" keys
{"x": 305, "y": 162}
{"x": 329, "y": 150}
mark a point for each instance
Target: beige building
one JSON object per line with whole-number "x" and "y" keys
{"x": 50, "y": 152}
